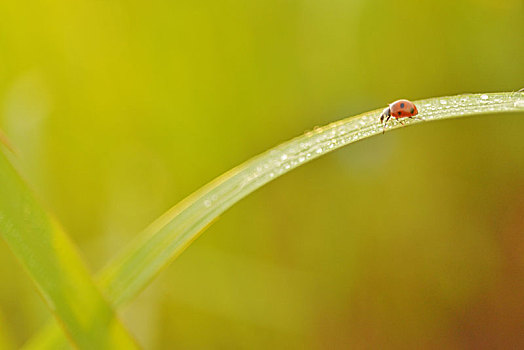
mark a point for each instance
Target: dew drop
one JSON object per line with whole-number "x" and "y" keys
{"x": 207, "y": 203}
{"x": 484, "y": 97}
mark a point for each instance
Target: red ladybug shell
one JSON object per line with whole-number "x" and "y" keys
{"x": 402, "y": 109}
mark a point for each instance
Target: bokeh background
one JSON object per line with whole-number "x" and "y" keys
{"x": 120, "y": 109}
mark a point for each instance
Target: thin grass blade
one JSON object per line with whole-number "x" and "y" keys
{"x": 56, "y": 268}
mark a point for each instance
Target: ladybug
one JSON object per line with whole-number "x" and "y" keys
{"x": 398, "y": 109}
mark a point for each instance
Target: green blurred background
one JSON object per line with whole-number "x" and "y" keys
{"x": 120, "y": 109}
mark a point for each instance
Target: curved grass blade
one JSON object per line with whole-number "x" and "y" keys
{"x": 136, "y": 266}
{"x": 56, "y": 268}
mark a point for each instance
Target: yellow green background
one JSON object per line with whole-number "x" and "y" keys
{"x": 120, "y": 109}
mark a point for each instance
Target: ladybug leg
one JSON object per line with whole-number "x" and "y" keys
{"x": 386, "y": 123}
{"x": 386, "y": 113}
{"x": 400, "y": 121}
{"x": 517, "y": 92}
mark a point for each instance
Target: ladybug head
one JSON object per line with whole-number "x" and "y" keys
{"x": 385, "y": 113}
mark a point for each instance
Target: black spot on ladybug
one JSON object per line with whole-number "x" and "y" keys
{"x": 402, "y": 105}
{"x": 412, "y": 110}
{"x": 399, "y": 113}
